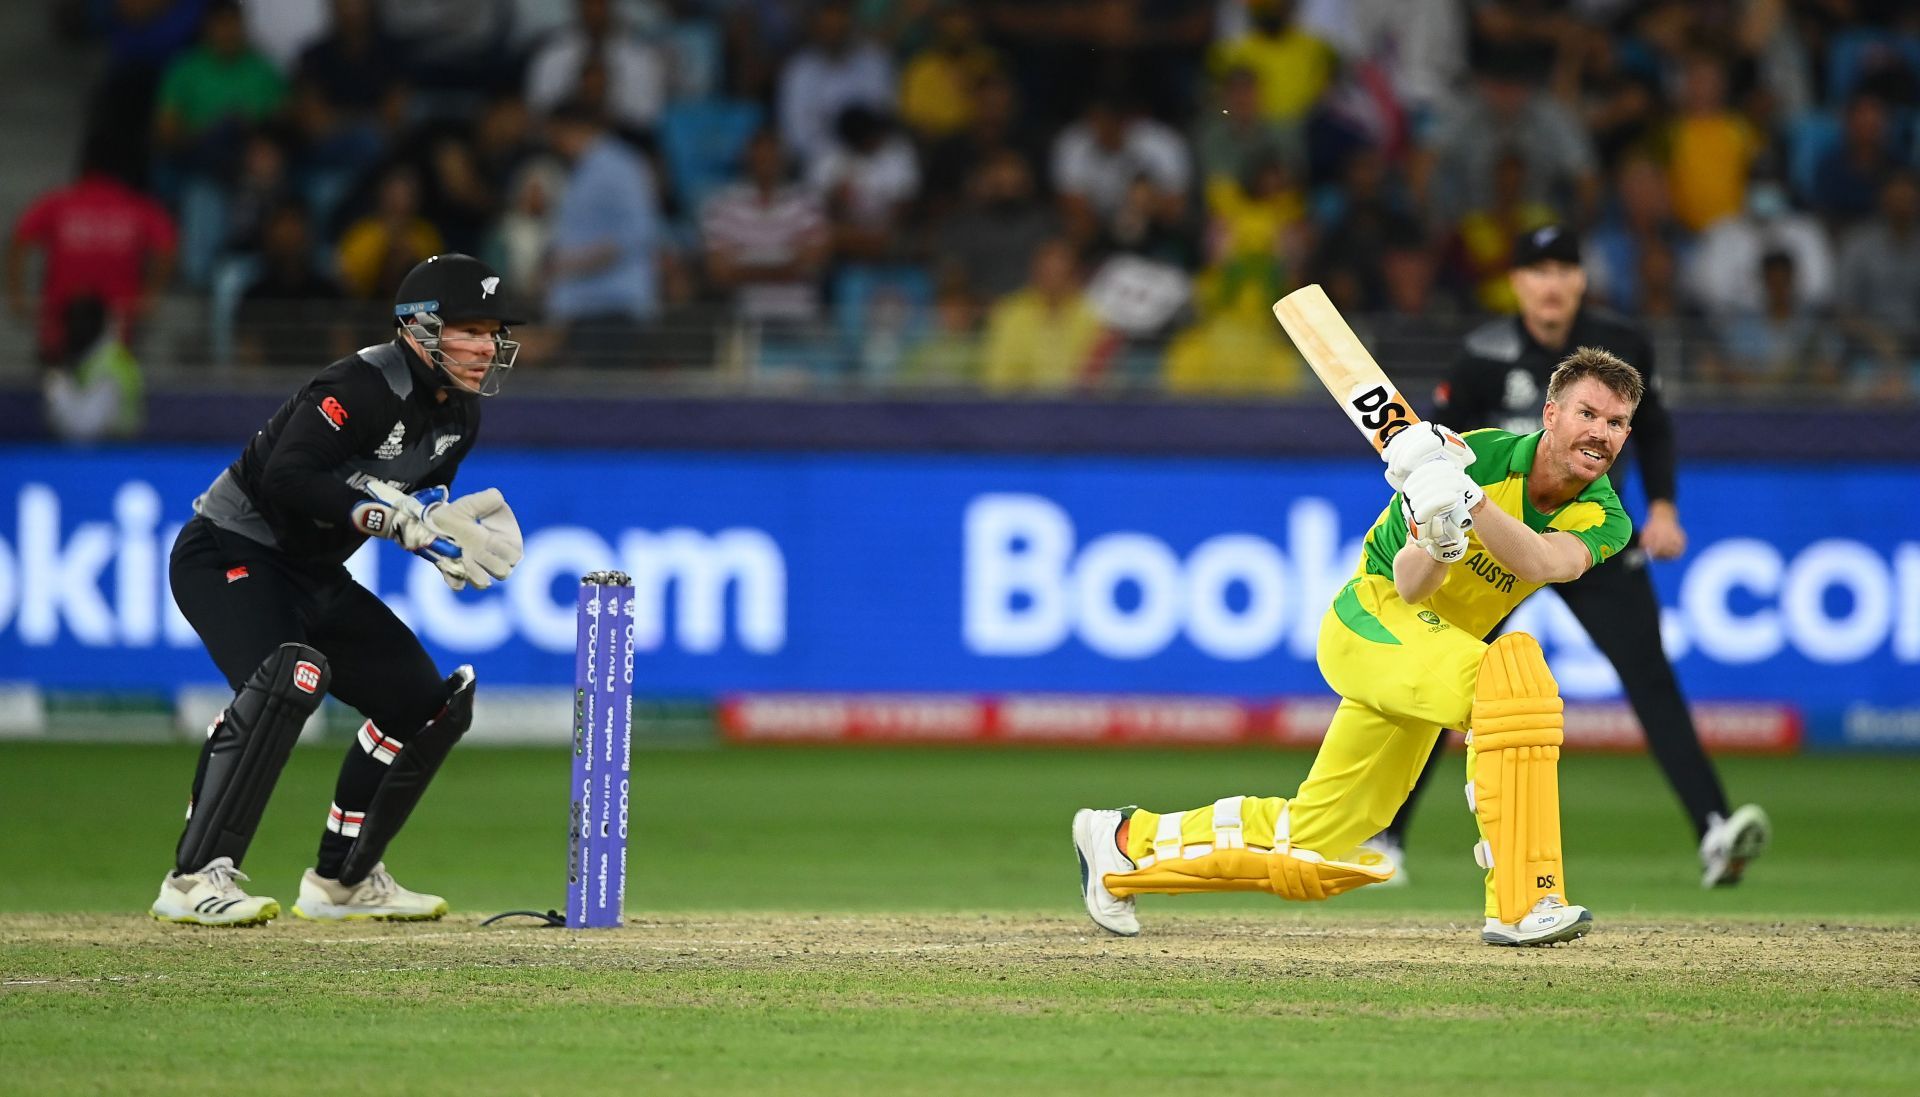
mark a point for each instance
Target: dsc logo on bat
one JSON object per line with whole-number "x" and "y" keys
{"x": 1380, "y": 411}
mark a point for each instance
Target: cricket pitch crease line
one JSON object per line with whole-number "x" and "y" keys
{"x": 629, "y": 943}
{"x": 395, "y": 938}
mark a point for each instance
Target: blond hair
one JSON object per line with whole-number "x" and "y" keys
{"x": 1610, "y": 370}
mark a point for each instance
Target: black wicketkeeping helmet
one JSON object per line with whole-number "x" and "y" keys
{"x": 453, "y": 289}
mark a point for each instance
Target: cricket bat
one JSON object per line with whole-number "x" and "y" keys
{"x": 1376, "y": 408}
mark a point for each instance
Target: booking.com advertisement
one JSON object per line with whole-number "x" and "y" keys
{"x": 959, "y": 576}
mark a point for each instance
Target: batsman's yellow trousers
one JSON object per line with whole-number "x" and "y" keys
{"x": 1403, "y": 673}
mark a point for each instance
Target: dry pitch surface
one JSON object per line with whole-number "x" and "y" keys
{"x": 72, "y": 949}
{"x": 958, "y": 1004}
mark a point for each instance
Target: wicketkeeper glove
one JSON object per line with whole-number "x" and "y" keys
{"x": 443, "y": 554}
{"x": 1420, "y": 444}
{"x": 454, "y": 572}
{"x": 483, "y": 530}
{"x": 395, "y": 515}
{"x": 477, "y": 532}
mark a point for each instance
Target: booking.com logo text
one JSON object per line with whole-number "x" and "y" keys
{"x": 1032, "y": 586}
{"x": 102, "y": 584}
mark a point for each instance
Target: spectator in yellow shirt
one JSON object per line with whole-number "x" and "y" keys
{"x": 1710, "y": 147}
{"x": 378, "y": 250}
{"x": 1483, "y": 241}
{"x": 1230, "y": 351}
{"x": 1294, "y": 67}
{"x": 1258, "y": 237}
{"x": 1046, "y": 336}
{"x": 936, "y": 89}
{"x": 1260, "y": 216}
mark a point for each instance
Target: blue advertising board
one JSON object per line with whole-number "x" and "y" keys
{"x": 979, "y": 574}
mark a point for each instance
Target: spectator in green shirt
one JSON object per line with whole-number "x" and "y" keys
{"x": 210, "y": 97}
{"x": 216, "y": 86}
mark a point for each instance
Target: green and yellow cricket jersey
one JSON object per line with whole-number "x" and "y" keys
{"x": 1478, "y": 592}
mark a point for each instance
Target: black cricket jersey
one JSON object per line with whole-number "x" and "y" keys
{"x": 1500, "y": 380}
{"x": 372, "y": 415}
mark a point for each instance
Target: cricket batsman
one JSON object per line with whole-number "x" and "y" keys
{"x": 1477, "y": 523}
{"x": 367, "y": 448}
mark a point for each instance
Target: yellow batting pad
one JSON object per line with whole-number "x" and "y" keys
{"x": 1227, "y": 823}
{"x": 1294, "y": 874}
{"x": 1516, "y": 732}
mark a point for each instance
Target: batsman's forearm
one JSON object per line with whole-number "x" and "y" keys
{"x": 1518, "y": 549}
{"x": 1416, "y": 575}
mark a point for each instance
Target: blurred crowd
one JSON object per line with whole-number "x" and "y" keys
{"x": 1016, "y": 194}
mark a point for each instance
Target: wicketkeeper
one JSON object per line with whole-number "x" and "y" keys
{"x": 1475, "y": 526}
{"x": 368, "y": 447}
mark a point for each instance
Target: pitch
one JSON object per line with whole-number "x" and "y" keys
{"x": 849, "y": 921}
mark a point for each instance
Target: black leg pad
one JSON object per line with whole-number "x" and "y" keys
{"x": 407, "y": 778}
{"x": 248, "y": 748}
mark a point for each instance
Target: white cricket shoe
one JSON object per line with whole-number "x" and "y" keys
{"x": 378, "y": 897}
{"x": 1093, "y": 844}
{"x": 1731, "y": 842}
{"x": 1392, "y": 854}
{"x": 1551, "y": 921}
{"x": 211, "y": 898}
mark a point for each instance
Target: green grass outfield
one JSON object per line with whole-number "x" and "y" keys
{"x": 907, "y": 921}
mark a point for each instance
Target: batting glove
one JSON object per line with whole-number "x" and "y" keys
{"x": 1444, "y": 537}
{"x": 1420, "y": 444}
{"x": 1435, "y": 487}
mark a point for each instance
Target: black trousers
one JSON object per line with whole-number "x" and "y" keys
{"x": 1615, "y": 603}
{"x": 379, "y": 666}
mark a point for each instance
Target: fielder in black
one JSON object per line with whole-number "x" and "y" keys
{"x": 368, "y": 447}
{"x": 1499, "y": 381}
